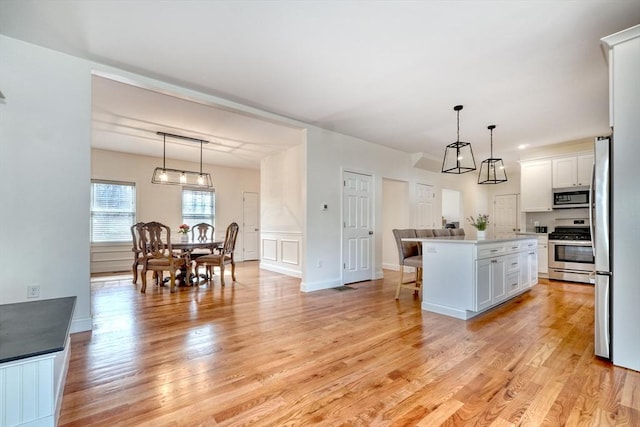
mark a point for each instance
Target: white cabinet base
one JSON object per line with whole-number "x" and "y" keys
{"x": 31, "y": 389}
{"x": 464, "y": 278}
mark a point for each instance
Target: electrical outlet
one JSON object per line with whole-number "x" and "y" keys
{"x": 33, "y": 291}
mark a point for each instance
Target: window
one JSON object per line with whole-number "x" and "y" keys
{"x": 198, "y": 206}
{"x": 113, "y": 211}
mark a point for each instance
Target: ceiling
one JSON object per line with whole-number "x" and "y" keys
{"x": 388, "y": 72}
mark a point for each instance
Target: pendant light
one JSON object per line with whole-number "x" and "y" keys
{"x": 458, "y": 156}
{"x": 492, "y": 170}
{"x": 168, "y": 176}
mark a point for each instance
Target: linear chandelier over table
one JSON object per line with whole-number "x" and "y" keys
{"x": 168, "y": 176}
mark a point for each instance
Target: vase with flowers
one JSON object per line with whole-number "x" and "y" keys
{"x": 183, "y": 229}
{"x": 480, "y": 224}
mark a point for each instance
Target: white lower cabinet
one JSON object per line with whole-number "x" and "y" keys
{"x": 501, "y": 277}
{"x": 483, "y": 289}
{"x": 543, "y": 255}
{"x": 498, "y": 288}
{"x": 464, "y": 278}
{"x": 532, "y": 256}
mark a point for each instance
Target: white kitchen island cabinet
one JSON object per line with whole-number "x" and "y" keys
{"x": 463, "y": 277}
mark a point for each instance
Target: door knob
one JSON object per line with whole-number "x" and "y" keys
{"x": 370, "y": 232}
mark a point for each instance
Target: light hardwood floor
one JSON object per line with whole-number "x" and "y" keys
{"x": 260, "y": 352}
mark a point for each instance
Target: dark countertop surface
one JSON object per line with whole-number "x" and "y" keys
{"x": 33, "y": 328}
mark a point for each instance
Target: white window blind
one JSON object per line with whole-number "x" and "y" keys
{"x": 198, "y": 206}
{"x": 113, "y": 211}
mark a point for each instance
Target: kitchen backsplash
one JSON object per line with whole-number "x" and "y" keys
{"x": 548, "y": 218}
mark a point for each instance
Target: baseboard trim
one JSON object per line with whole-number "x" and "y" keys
{"x": 279, "y": 269}
{"x": 81, "y": 325}
{"x": 318, "y": 286}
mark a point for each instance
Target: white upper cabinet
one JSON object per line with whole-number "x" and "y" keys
{"x": 574, "y": 171}
{"x": 585, "y": 168}
{"x": 535, "y": 186}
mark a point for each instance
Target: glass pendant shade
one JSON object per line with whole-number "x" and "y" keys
{"x": 168, "y": 176}
{"x": 492, "y": 170}
{"x": 458, "y": 156}
{"x": 179, "y": 177}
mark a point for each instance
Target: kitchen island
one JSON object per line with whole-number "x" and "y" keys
{"x": 34, "y": 357}
{"x": 463, "y": 277}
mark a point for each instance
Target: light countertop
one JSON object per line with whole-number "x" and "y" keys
{"x": 464, "y": 239}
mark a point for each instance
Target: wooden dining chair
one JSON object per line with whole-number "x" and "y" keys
{"x": 457, "y": 232}
{"x": 159, "y": 256}
{"x": 224, "y": 257}
{"x": 408, "y": 255}
{"x": 137, "y": 250}
{"x": 201, "y": 232}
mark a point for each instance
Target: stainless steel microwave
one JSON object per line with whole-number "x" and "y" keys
{"x": 571, "y": 198}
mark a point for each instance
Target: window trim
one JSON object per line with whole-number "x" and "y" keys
{"x": 91, "y": 211}
{"x": 201, "y": 190}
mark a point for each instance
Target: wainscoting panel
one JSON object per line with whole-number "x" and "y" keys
{"x": 281, "y": 252}
{"x": 270, "y": 249}
{"x": 290, "y": 250}
{"x": 111, "y": 257}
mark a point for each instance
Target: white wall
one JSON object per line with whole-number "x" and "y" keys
{"x": 625, "y": 290}
{"x": 282, "y": 178}
{"x": 512, "y": 186}
{"x": 45, "y": 131}
{"x": 396, "y": 213}
{"x": 452, "y": 205}
{"x": 163, "y": 203}
{"x": 475, "y": 197}
{"x": 328, "y": 155}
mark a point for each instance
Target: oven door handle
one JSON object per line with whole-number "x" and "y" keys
{"x": 570, "y": 243}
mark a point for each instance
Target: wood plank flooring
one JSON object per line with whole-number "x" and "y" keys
{"x": 262, "y": 353}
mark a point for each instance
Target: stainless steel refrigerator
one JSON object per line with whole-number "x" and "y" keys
{"x": 601, "y": 241}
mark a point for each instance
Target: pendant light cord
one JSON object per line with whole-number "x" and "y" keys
{"x": 491, "y": 128}
{"x": 164, "y": 151}
{"x": 200, "y": 157}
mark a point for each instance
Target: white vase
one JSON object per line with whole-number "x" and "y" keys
{"x": 481, "y": 234}
{"x": 184, "y": 237}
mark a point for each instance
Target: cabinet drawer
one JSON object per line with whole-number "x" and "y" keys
{"x": 488, "y": 251}
{"x": 513, "y": 263}
{"x": 513, "y": 247}
{"x": 512, "y": 282}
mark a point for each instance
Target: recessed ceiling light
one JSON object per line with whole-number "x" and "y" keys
{"x": 523, "y": 146}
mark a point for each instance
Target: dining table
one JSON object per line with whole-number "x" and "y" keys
{"x": 187, "y": 245}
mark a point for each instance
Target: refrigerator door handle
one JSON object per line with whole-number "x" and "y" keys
{"x": 602, "y": 313}
{"x": 592, "y": 187}
{"x": 605, "y": 323}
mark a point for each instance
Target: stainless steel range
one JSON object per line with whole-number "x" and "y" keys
{"x": 570, "y": 252}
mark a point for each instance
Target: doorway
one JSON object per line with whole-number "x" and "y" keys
{"x": 505, "y": 214}
{"x": 425, "y": 206}
{"x": 395, "y": 214}
{"x": 250, "y": 227}
{"x": 357, "y": 236}
{"x": 451, "y": 208}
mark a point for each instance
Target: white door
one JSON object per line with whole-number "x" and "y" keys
{"x": 505, "y": 214}
{"x": 357, "y": 240}
{"x": 250, "y": 229}
{"x": 425, "y": 209}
